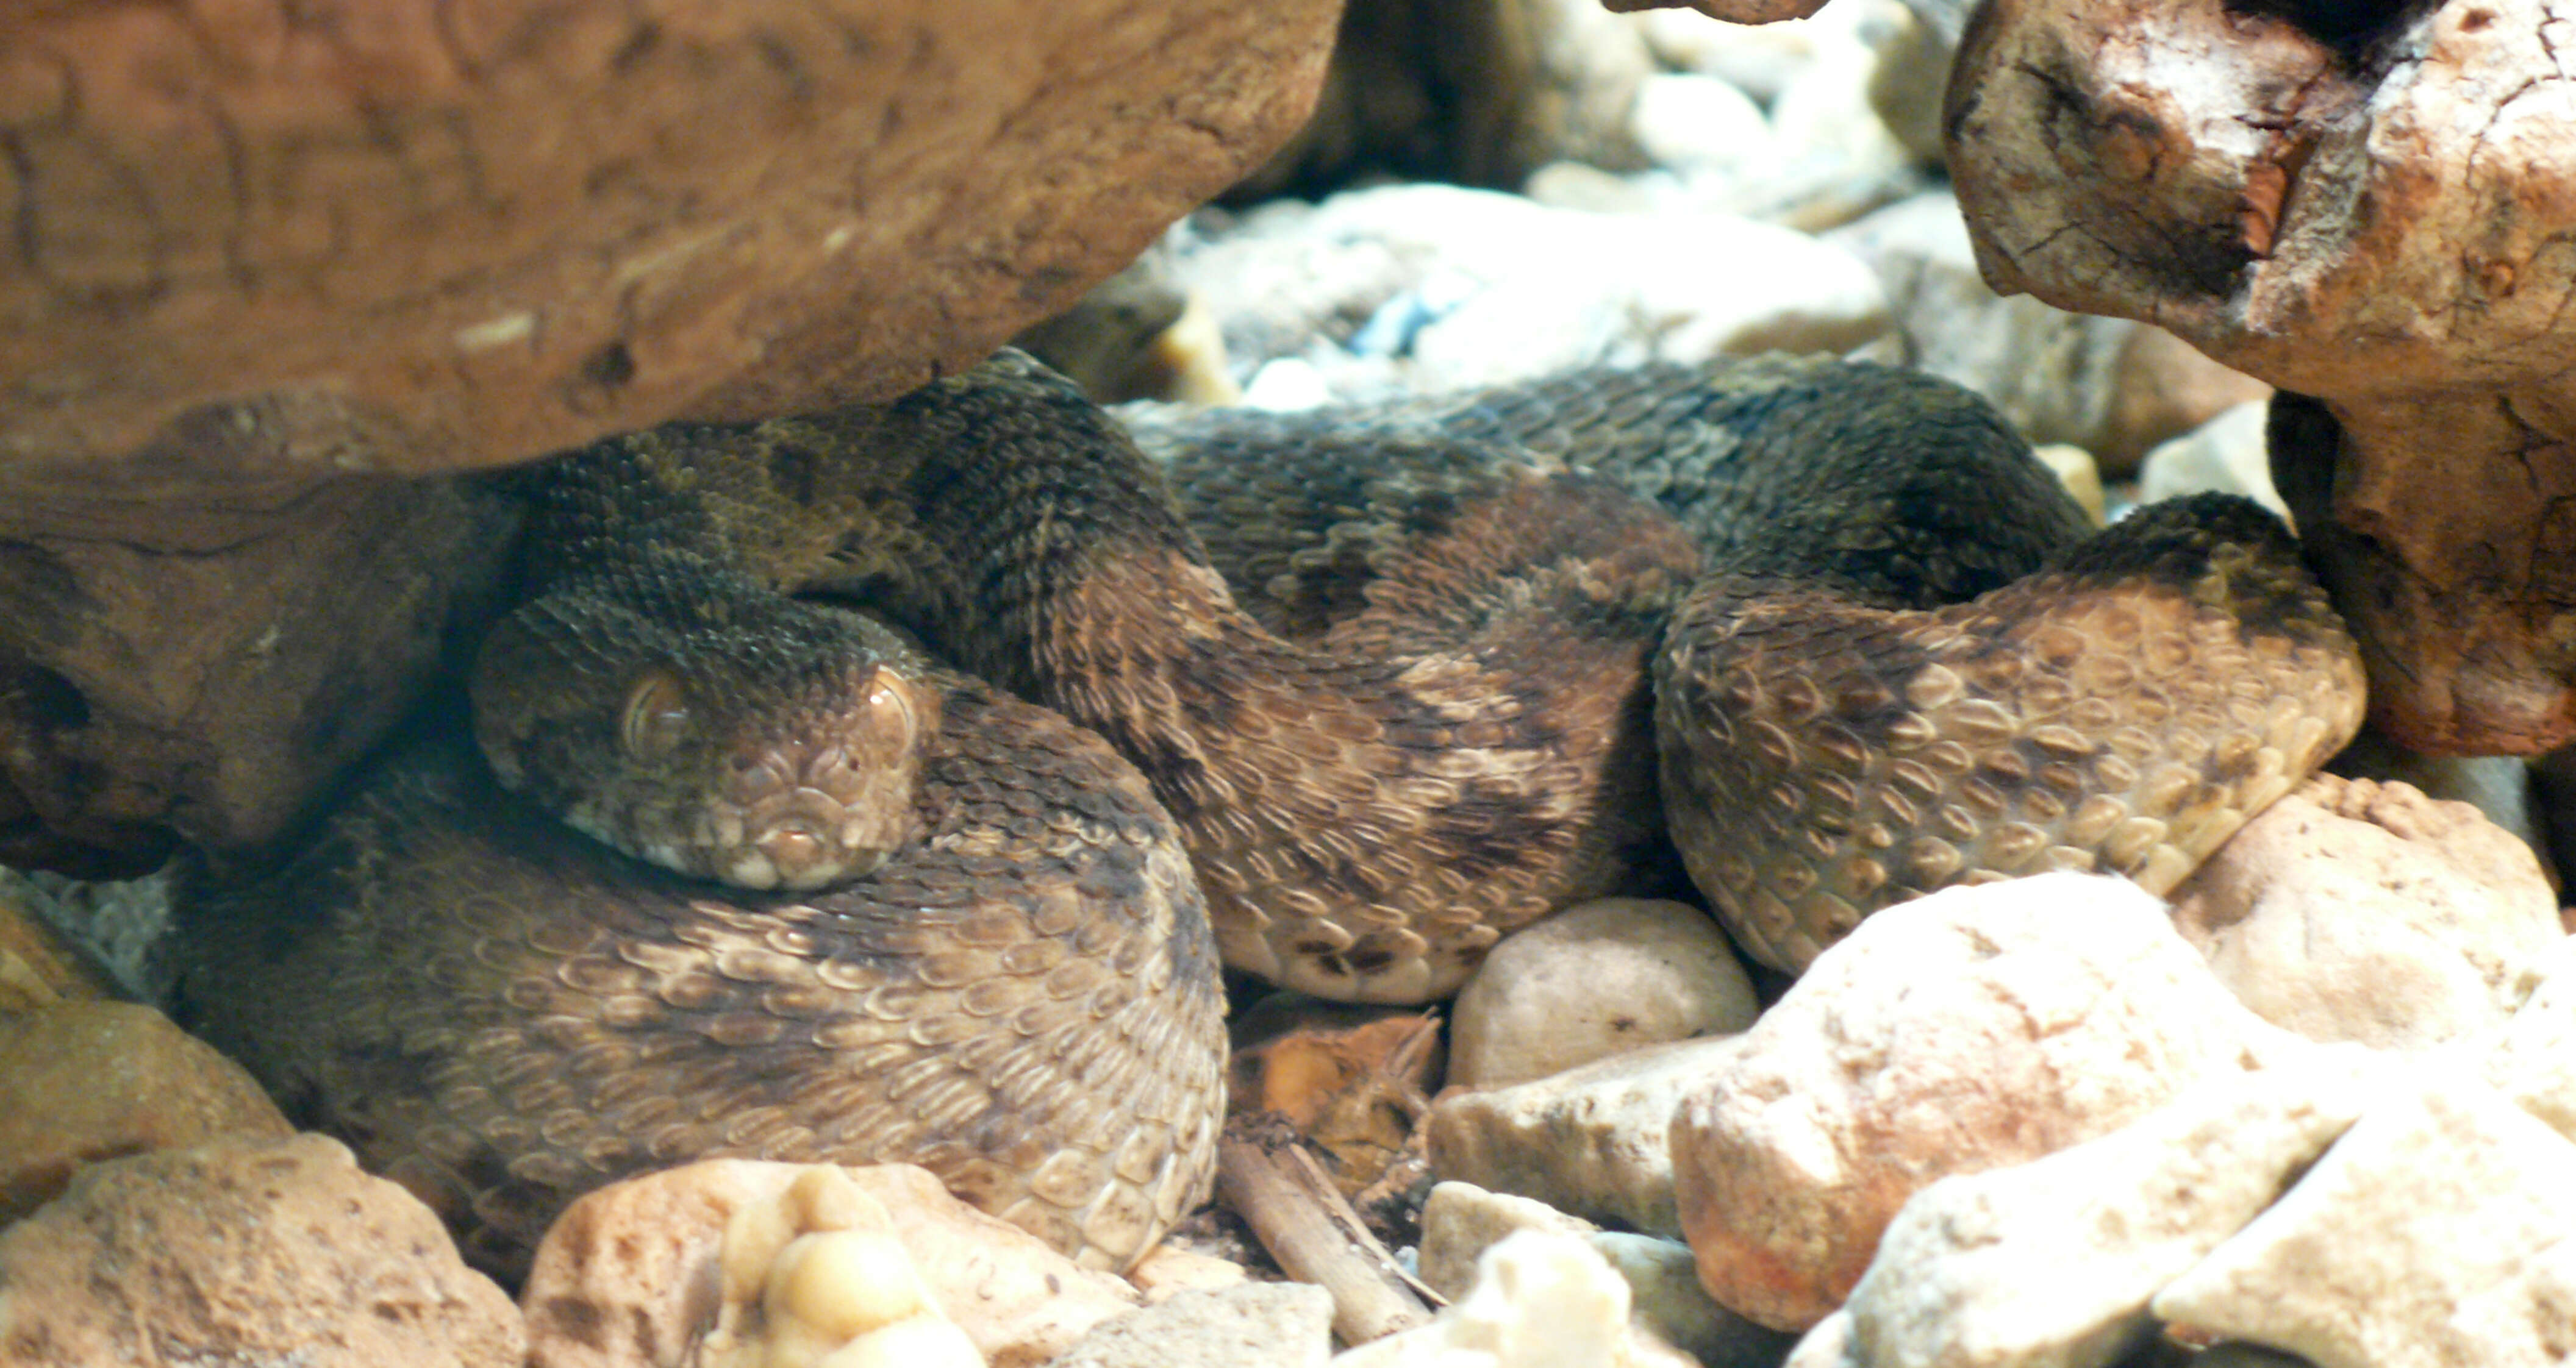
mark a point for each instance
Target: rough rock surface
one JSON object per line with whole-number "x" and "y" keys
{"x": 2054, "y": 1261}
{"x": 2365, "y": 205}
{"x": 1589, "y": 1141}
{"x": 82, "y": 1082}
{"x": 201, "y": 671}
{"x": 1592, "y": 981}
{"x": 1983, "y": 1027}
{"x": 2434, "y": 1234}
{"x": 2355, "y": 910}
{"x": 244, "y": 1251}
{"x": 817, "y": 1278}
{"x": 2532, "y": 1060}
{"x": 1435, "y": 286}
{"x": 443, "y": 239}
{"x": 617, "y": 1281}
{"x": 1252, "y": 1325}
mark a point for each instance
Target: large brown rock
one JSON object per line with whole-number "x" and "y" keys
{"x": 245, "y": 1251}
{"x": 82, "y": 1082}
{"x": 260, "y": 259}
{"x": 405, "y": 235}
{"x": 2368, "y": 204}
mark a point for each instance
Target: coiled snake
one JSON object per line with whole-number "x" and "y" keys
{"x": 1397, "y": 681}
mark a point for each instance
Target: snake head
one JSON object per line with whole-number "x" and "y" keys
{"x": 758, "y": 741}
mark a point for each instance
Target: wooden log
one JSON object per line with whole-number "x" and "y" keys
{"x": 1264, "y": 1172}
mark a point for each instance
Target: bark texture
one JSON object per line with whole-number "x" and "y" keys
{"x": 2373, "y": 204}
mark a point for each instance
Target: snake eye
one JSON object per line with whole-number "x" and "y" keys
{"x": 890, "y": 709}
{"x": 657, "y": 716}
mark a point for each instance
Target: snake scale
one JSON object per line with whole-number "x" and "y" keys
{"x": 1053, "y": 716}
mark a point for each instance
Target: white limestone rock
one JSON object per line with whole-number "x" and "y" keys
{"x": 1973, "y": 1029}
{"x": 1589, "y": 1141}
{"x": 1595, "y": 980}
{"x": 2226, "y": 455}
{"x": 2531, "y": 1060}
{"x": 2051, "y": 1264}
{"x": 2435, "y": 1234}
{"x": 2356, "y": 910}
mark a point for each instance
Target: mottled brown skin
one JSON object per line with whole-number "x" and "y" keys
{"x": 1447, "y": 742}
{"x": 1912, "y": 663}
{"x": 503, "y": 1014}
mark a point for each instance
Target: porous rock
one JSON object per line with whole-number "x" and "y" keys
{"x": 817, "y": 1278}
{"x": 622, "y": 1277}
{"x": 2111, "y": 386}
{"x": 2356, "y": 910}
{"x": 2434, "y": 1234}
{"x": 244, "y": 1250}
{"x": 38, "y": 965}
{"x": 1986, "y": 1026}
{"x": 2053, "y": 1262}
{"x": 1589, "y": 1141}
{"x": 2532, "y": 1059}
{"x": 1592, "y": 981}
{"x": 1252, "y": 1325}
{"x": 447, "y": 240}
{"x": 1168, "y": 1270}
{"x": 82, "y": 1082}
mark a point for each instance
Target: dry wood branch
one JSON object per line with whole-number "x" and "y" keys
{"x": 1265, "y": 1173}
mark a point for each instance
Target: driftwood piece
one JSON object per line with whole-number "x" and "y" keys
{"x": 438, "y": 234}
{"x": 1264, "y": 1172}
{"x": 2372, "y": 204}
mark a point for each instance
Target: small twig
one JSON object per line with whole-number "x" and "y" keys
{"x": 1264, "y": 1172}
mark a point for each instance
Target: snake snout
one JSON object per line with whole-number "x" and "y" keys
{"x": 831, "y": 804}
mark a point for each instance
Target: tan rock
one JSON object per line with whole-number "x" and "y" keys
{"x": 1589, "y": 1141}
{"x": 1983, "y": 1027}
{"x": 244, "y": 1251}
{"x": 82, "y": 1082}
{"x": 616, "y": 1282}
{"x": 2361, "y": 911}
{"x": 1592, "y": 981}
{"x": 2054, "y": 1261}
{"x": 817, "y": 1278}
{"x": 2434, "y": 1234}
{"x": 1251, "y": 1325}
{"x": 1167, "y": 1271}
{"x": 2532, "y": 1059}
{"x": 2362, "y": 205}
